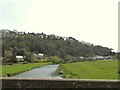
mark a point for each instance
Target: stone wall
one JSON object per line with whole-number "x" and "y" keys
{"x": 57, "y": 83}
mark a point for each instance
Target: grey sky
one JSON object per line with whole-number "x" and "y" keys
{"x": 93, "y": 21}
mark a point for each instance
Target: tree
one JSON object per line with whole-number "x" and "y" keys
{"x": 54, "y": 59}
{"x": 118, "y": 56}
{"x": 7, "y": 56}
{"x": 30, "y": 57}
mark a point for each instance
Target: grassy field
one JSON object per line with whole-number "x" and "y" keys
{"x": 102, "y": 69}
{"x": 18, "y": 68}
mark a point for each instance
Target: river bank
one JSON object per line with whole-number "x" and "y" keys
{"x": 101, "y": 69}
{"x": 20, "y": 68}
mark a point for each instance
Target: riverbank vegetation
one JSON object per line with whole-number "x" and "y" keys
{"x": 101, "y": 69}
{"x": 19, "y": 68}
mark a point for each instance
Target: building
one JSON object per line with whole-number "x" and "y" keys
{"x": 19, "y": 58}
{"x": 39, "y": 56}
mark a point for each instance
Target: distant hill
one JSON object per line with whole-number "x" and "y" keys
{"x": 19, "y": 43}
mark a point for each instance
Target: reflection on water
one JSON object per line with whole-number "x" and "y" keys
{"x": 42, "y": 72}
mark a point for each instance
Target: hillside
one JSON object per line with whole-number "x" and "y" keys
{"x": 21, "y": 43}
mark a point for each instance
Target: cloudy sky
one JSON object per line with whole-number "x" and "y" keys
{"x": 93, "y": 21}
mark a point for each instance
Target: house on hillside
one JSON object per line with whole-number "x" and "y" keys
{"x": 39, "y": 56}
{"x": 99, "y": 57}
{"x": 81, "y": 58}
{"x": 19, "y": 58}
{"x": 107, "y": 57}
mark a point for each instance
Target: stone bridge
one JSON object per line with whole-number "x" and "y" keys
{"x": 57, "y": 83}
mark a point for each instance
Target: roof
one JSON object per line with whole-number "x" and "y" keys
{"x": 41, "y": 54}
{"x": 19, "y": 56}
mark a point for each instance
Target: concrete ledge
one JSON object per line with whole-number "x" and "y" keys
{"x": 58, "y": 83}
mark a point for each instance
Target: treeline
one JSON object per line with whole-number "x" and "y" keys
{"x": 21, "y": 43}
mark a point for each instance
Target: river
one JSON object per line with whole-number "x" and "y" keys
{"x": 41, "y": 72}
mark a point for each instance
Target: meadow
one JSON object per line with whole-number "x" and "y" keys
{"x": 19, "y": 68}
{"x": 101, "y": 69}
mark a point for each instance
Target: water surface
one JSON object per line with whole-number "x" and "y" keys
{"x": 41, "y": 72}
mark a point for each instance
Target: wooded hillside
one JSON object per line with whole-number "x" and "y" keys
{"x": 20, "y": 43}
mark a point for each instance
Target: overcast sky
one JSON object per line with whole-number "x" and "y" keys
{"x": 93, "y": 21}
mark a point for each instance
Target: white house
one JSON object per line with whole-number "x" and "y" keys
{"x": 99, "y": 57}
{"x": 39, "y": 56}
{"x": 81, "y": 58}
{"x": 19, "y": 58}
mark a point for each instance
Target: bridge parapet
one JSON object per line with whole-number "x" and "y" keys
{"x": 57, "y": 83}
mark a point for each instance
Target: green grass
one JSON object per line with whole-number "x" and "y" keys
{"x": 18, "y": 68}
{"x": 102, "y": 69}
